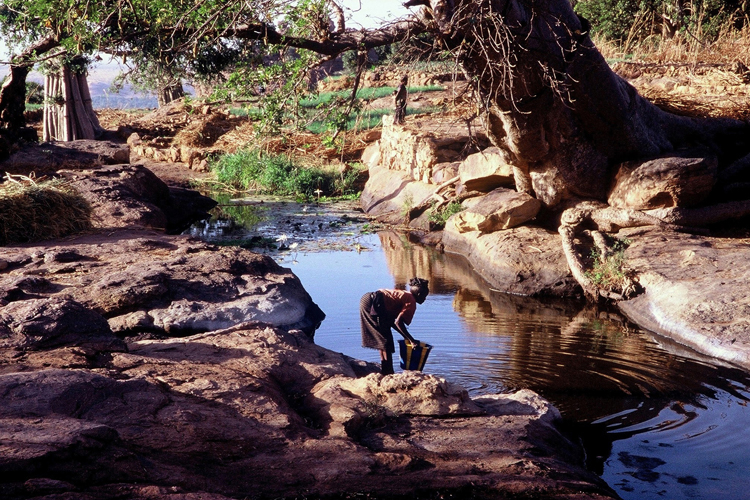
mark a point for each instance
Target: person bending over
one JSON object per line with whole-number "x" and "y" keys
{"x": 384, "y": 309}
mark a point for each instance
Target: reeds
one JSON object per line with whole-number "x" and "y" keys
{"x": 31, "y": 211}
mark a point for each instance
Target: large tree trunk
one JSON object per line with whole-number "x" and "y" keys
{"x": 552, "y": 100}
{"x": 13, "y": 92}
{"x": 68, "y": 111}
{"x": 13, "y": 100}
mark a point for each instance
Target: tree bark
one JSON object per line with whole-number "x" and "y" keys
{"x": 552, "y": 100}
{"x": 13, "y": 92}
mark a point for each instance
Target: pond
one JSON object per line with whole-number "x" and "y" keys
{"x": 656, "y": 419}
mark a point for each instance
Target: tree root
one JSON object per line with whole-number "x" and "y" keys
{"x": 605, "y": 219}
{"x": 702, "y": 217}
{"x": 577, "y": 268}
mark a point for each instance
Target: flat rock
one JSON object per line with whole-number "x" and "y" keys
{"x": 695, "y": 291}
{"x": 143, "y": 281}
{"x": 223, "y": 414}
{"x": 44, "y": 324}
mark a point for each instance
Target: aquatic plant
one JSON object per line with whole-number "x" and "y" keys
{"x": 280, "y": 174}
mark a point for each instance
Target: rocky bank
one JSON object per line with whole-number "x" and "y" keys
{"x": 692, "y": 286}
{"x": 140, "y": 365}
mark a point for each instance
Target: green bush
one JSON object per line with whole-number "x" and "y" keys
{"x": 34, "y": 93}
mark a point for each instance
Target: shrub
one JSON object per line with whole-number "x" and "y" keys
{"x": 278, "y": 174}
{"x": 608, "y": 272}
{"x": 437, "y": 218}
{"x": 629, "y": 20}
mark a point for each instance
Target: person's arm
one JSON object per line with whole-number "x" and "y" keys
{"x": 401, "y": 328}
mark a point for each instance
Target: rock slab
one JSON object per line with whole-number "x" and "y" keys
{"x": 695, "y": 291}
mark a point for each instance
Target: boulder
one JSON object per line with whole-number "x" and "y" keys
{"x": 524, "y": 260}
{"x": 44, "y": 324}
{"x": 123, "y": 195}
{"x": 670, "y": 181}
{"x": 371, "y": 154}
{"x": 445, "y": 171}
{"x": 486, "y": 170}
{"x": 132, "y": 195}
{"x": 389, "y": 195}
{"x": 499, "y": 209}
{"x": 48, "y": 158}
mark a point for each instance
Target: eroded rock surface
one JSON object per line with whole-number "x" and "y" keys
{"x": 147, "y": 282}
{"x": 254, "y": 411}
{"x": 48, "y": 158}
{"x": 674, "y": 181}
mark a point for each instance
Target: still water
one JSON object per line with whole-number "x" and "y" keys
{"x": 658, "y": 421}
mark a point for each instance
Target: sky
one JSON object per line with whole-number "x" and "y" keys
{"x": 371, "y": 13}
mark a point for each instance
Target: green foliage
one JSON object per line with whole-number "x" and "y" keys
{"x": 437, "y": 218}
{"x": 359, "y": 118}
{"x": 34, "y": 93}
{"x": 621, "y": 20}
{"x": 279, "y": 174}
{"x": 365, "y": 93}
{"x": 406, "y": 205}
{"x": 609, "y": 272}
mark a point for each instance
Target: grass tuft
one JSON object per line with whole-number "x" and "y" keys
{"x": 609, "y": 272}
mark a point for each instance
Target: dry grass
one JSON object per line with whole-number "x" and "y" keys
{"x": 687, "y": 76}
{"x": 31, "y": 211}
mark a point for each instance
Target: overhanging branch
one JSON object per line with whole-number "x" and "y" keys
{"x": 339, "y": 43}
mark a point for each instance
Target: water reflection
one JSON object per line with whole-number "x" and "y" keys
{"x": 658, "y": 420}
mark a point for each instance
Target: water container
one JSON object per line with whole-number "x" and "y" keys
{"x": 413, "y": 356}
